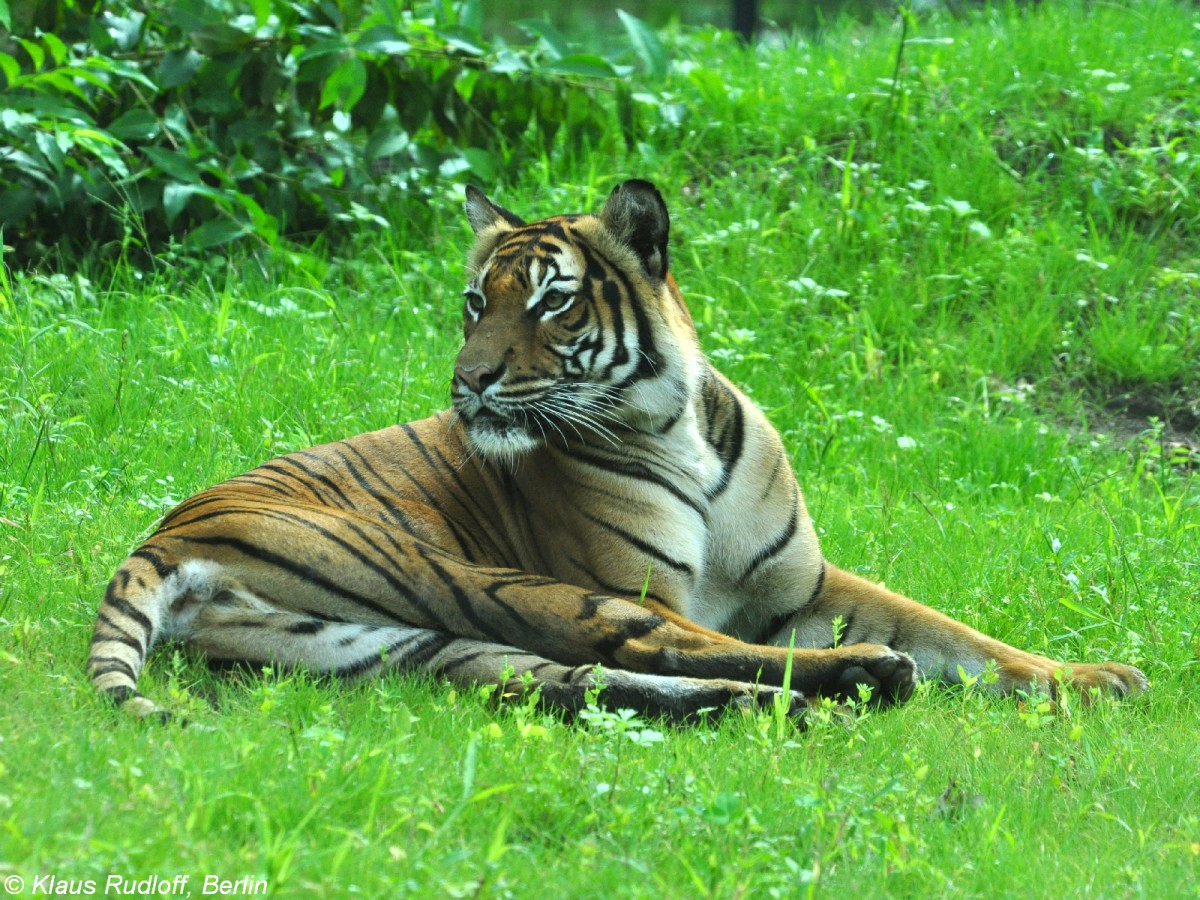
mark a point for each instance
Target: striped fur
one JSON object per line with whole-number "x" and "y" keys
{"x": 599, "y": 494}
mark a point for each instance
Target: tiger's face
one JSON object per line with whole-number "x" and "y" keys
{"x": 574, "y": 331}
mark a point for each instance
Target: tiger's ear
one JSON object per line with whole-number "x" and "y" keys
{"x": 482, "y": 213}
{"x": 637, "y": 216}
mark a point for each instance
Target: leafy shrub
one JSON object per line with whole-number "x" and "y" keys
{"x": 209, "y": 120}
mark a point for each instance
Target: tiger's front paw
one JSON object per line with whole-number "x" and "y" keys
{"x": 890, "y": 674}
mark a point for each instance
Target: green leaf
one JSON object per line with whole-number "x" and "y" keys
{"x": 5, "y": 15}
{"x": 645, "y": 43}
{"x": 60, "y": 80}
{"x": 178, "y": 67}
{"x": 58, "y": 50}
{"x": 135, "y": 125}
{"x": 174, "y": 163}
{"x": 470, "y": 16}
{"x": 36, "y": 54}
{"x": 215, "y": 233}
{"x": 320, "y": 49}
{"x": 175, "y": 198}
{"x": 463, "y": 40}
{"x": 103, "y": 146}
{"x": 216, "y": 38}
{"x": 1077, "y": 606}
{"x": 261, "y": 10}
{"x": 320, "y": 60}
{"x": 263, "y": 223}
{"x": 11, "y": 69}
{"x": 46, "y": 107}
{"x": 345, "y": 85}
{"x": 555, "y": 43}
{"x": 483, "y": 163}
{"x": 121, "y": 69}
{"x": 588, "y": 65}
{"x": 385, "y": 142}
{"x": 382, "y": 39}
{"x": 48, "y": 145}
{"x": 16, "y": 203}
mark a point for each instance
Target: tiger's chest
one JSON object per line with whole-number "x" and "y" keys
{"x": 682, "y": 528}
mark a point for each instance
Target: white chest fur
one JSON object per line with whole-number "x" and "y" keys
{"x": 701, "y": 535}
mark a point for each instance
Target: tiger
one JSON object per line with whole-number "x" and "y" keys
{"x": 600, "y": 510}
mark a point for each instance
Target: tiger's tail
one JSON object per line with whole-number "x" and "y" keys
{"x": 128, "y": 624}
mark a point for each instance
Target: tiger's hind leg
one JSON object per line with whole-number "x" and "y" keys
{"x": 199, "y": 603}
{"x": 348, "y": 650}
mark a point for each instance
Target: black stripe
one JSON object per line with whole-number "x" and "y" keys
{"x": 102, "y": 665}
{"x": 306, "y": 626}
{"x": 775, "y": 547}
{"x": 293, "y": 460}
{"x": 329, "y": 617}
{"x": 121, "y": 694}
{"x": 459, "y": 535}
{"x": 260, "y": 480}
{"x": 161, "y": 568}
{"x": 485, "y": 630}
{"x": 130, "y": 611}
{"x": 634, "y": 595}
{"x": 386, "y": 502}
{"x": 647, "y": 548}
{"x": 641, "y": 472}
{"x": 459, "y": 662}
{"x": 492, "y": 592}
{"x": 629, "y": 630}
{"x": 120, "y": 635}
{"x": 292, "y": 518}
{"x": 298, "y": 478}
{"x": 649, "y": 359}
{"x": 435, "y": 643}
{"x": 729, "y": 443}
{"x": 847, "y": 624}
{"x": 895, "y": 635}
{"x": 610, "y": 292}
{"x": 775, "y": 625}
{"x": 196, "y": 502}
{"x": 465, "y": 494}
{"x": 309, "y": 574}
{"x": 779, "y": 464}
{"x": 376, "y": 659}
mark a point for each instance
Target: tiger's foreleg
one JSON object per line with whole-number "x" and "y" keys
{"x": 940, "y": 645}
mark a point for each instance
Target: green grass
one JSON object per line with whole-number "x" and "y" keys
{"x": 970, "y": 259}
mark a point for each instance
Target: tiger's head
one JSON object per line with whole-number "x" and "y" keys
{"x": 574, "y": 329}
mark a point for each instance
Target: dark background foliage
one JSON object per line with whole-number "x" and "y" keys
{"x": 127, "y": 124}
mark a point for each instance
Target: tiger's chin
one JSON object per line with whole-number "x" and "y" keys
{"x": 499, "y": 440}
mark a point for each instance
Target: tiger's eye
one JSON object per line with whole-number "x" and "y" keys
{"x": 475, "y": 302}
{"x": 553, "y": 300}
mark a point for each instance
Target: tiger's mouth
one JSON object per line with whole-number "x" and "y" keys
{"x": 496, "y": 435}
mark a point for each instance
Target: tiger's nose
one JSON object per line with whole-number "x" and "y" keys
{"x": 477, "y": 378}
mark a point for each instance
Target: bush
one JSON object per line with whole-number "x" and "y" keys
{"x": 205, "y": 121}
